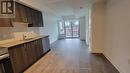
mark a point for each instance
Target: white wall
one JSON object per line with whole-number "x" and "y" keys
{"x": 50, "y": 27}
{"x": 98, "y": 24}
{"x": 113, "y": 37}
{"x": 117, "y": 45}
{"x": 82, "y": 22}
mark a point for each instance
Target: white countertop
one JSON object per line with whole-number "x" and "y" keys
{"x": 15, "y": 43}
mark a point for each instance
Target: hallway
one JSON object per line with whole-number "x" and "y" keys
{"x": 71, "y": 56}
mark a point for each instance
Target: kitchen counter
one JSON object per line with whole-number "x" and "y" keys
{"x": 24, "y": 54}
{"x": 15, "y": 43}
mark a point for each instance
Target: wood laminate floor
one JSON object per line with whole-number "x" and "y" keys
{"x": 71, "y": 56}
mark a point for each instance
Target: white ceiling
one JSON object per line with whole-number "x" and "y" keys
{"x": 62, "y": 7}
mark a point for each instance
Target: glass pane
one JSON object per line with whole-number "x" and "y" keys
{"x": 68, "y": 29}
{"x": 71, "y": 29}
{"x": 61, "y": 28}
{"x": 75, "y": 28}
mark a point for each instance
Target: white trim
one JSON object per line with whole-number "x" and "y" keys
{"x": 95, "y": 52}
{"x": 116, "y": 66}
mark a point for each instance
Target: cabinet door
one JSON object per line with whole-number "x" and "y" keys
{"x": 26, "y": 57}
{"x": 20, "y": 13}
{"x": 31, "y": 53}
{"x": 33, "y": 49}
{"x": 29, "y": 15}
{"x": 17, "y": 14}
{"x": 5, "y": 22}
{"x": 23, "y": 12}
{"x": 17, "y": 56}
{"x": 40, "y": 16}
{"x": 39, "y": 48}
{"x": 41, "y": 51}
{"x": 35, "y": 18}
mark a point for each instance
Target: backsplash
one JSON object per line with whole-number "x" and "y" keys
{"x": 7, "y": 32}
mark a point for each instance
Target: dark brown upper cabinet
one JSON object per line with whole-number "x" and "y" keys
{"x": 40, "y": 18}
{"x": 36, "y": 16}
{"x": 19, "y": 13}
{"x": 5, "y": 22}
{"x": 29, "y": 15}
{"x": 25, "y": 14}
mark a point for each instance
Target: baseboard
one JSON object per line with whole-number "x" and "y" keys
{"x": 96, "y": 52}
{"x": 113, "y": 64}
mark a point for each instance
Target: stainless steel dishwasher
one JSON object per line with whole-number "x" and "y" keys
{"x": 5, "y": 63}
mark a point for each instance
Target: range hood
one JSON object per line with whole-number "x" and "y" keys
{"x": 21, "y": 24}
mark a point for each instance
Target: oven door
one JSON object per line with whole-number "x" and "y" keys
{"x": 5, "y": 64}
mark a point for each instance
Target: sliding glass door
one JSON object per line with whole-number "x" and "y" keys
{"x": 69, "y": 29}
